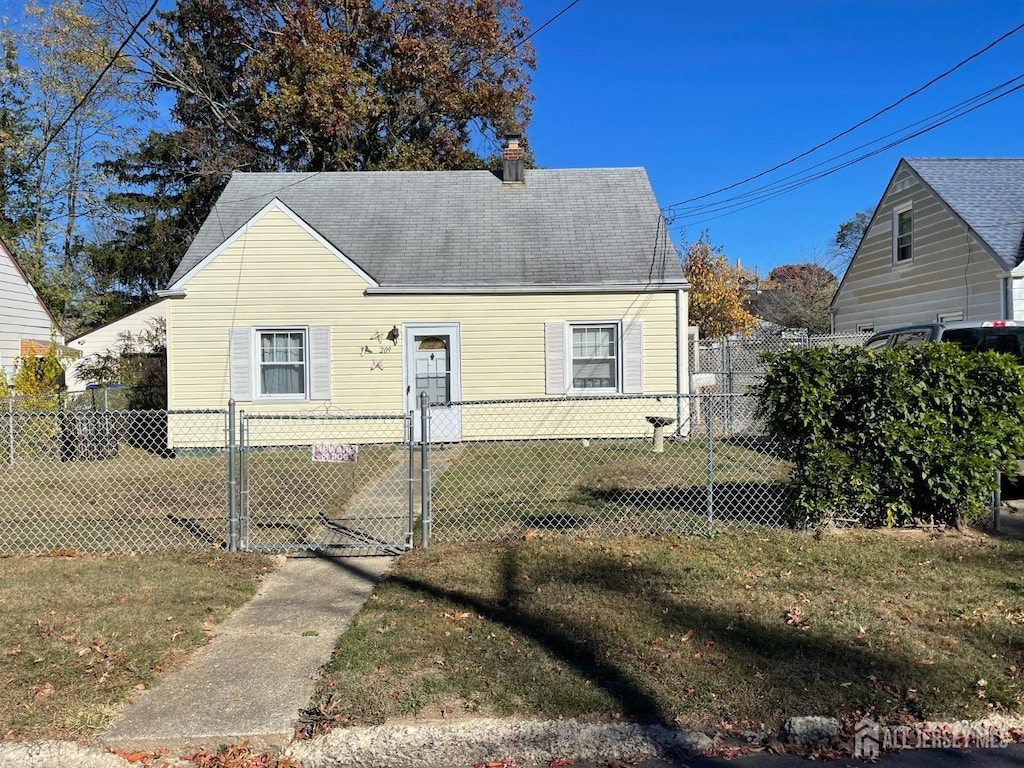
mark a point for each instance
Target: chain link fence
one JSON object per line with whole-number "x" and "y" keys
{"x": 734, "y": 364}
{"x": 643, "y": 465}
{"x": 326, "y": 482}
{"x": 107, "y": 481}
{"x": 84, "y": 479}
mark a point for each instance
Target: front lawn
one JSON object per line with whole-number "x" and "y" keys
{"x": 753, "y": 626}
{"x": 611, "y": 487}
{"x": 79, "y": 635}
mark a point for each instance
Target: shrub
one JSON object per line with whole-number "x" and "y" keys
{"x": 893, "y": 436}
{"x": 30, "y": 400}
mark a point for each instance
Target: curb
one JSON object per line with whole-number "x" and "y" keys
{"x": 470, "y": 742}
{"x": 479, "y": 740}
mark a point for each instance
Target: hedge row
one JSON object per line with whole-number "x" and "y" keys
{"x": 894, "y": 436}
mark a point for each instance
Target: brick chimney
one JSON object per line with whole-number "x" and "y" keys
{"x": 512, "y": 172}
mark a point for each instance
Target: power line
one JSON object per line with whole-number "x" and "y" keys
{"x": 854, "y": 127}
{"x": 547, "y": 23}
{"x": 768, "y": 189}
{"x": 861, "y": 158}
{"x": 85, "y": 97}
{"x": 478, "y": 75}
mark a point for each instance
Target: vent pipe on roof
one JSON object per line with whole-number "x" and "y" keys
{"x": 512, "y": 170}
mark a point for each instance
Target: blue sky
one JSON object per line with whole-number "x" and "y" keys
{"x": 706, "y": 94}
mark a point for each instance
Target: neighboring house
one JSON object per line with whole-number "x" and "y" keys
{"x": 944, "y": 244}
{"x": 359, "y": 291}
{"x": 109, "y": 338}
{"x": 26, "y": 325}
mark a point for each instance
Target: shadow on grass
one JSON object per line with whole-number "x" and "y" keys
{"x": 760, "y": 444}
{"x": 196, "y": 530}
{"x": 763, "y": 503}
{"x": 786, "y": 659}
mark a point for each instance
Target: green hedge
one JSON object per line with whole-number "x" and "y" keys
{"x": 894, "y": 436}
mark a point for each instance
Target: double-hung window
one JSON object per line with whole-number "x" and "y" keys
{"x": 903, "y": 235}
{"x": 595, "y": 357}
{"x": 282, "y": 363}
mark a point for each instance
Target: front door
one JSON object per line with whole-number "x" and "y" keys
{"x": 432, "y": 367}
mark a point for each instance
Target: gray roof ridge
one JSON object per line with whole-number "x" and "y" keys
{"x": 963, "y": 157}
{"x": 600, "y": 226}
{"x": 447, "y": 170}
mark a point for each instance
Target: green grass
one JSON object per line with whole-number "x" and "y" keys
{"x": 141, "y": 501}
{"x": 748, "y": 626}
{"x": 612, "y": 487}
{"x": 80, "y": 635}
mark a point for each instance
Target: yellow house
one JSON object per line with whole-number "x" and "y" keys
{"x": 357, "y": 292}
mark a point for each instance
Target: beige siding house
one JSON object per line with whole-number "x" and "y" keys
{"x": 944, "y": 244}
{"x": 357, "y": 292}
{"x": 110, "y": 338}
{"x": 26, "y": 325}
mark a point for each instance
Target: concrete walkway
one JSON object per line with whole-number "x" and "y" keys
{"x": 259, "y": 669}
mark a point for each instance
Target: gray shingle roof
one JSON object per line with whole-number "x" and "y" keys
{"x": 987, "y": 193}
{"x": 465, "y": 228}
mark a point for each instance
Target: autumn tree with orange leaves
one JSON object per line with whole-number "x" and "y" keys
{"x": 718, "y": 296}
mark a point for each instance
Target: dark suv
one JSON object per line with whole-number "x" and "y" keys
{"x": 973, "y": 336}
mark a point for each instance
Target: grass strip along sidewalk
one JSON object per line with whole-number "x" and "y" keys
{"x": 742, "y": 628}
{"x": 79, "y": 635}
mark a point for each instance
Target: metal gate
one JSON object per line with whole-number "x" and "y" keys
{"x": 325, "y": 482}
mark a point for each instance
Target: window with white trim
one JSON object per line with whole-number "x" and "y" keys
{"x": 903, "y": 235}
{"x": 594, "y": 357}
{"x": 279, "y": 363}
{"x": 282, "y": 370}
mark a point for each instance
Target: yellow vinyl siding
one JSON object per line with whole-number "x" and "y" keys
{"x": 277, "y": 274}
{"x": 951, "y": 270}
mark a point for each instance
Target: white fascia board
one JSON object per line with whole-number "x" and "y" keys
{"x": 273, "y": 205}
{"x": 441, "y": 290}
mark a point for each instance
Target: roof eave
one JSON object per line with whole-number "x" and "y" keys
{"x": 526, "y": 289}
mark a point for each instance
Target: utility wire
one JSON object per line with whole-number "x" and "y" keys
{"x": 854, "y": 161}
{"x": 736, "y": 200}
{"x": 547, "y": 23}
{"x": 85, "y": 97}
{"x": 854, "y": 127}
{"x": 497, "y": 57}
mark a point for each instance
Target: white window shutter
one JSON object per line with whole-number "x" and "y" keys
{"x": 320, "y": 362}
{"x": 554, "y": 358}
{"x": 240, "y": 364}
{"x": 633, "y": 358}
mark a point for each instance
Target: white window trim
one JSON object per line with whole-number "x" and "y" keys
{"x": 570, "y": 325}
{"x": 896, "y": 211}
{"x": 949, "y": 317}
{"x": 257, "y": 380}
{"x": 865, "y": 327}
